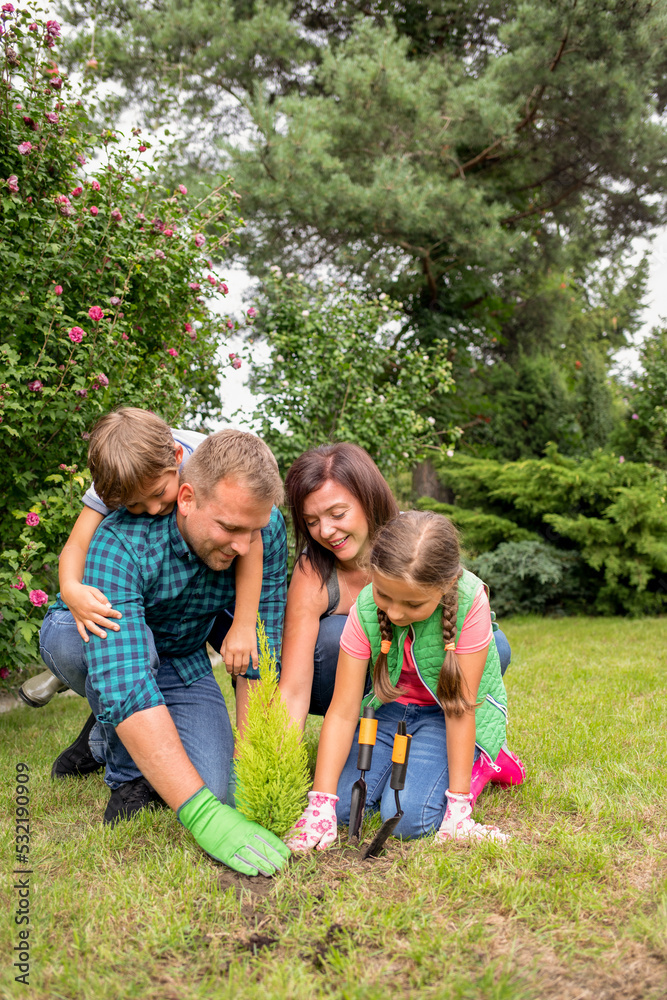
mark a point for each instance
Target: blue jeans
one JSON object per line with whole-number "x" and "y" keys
{"x": 198, "y": 710}
{"x": 326, "y": 660}
{"x": 423, "y": 798}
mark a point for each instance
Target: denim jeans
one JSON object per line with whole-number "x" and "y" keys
{"x": 326, "y": 660}
{"x": 198, "y": 710}
{"x": 423, "y": 798}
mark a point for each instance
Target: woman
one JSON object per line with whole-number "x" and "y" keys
{"x": 339, "y": 500}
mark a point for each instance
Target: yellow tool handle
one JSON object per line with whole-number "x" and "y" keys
{"x": 368, "y": 729}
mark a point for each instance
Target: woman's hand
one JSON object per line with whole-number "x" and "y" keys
{"x": 458, "y": 823}
{"x": 237, "y": 647}
{"x": 317, "y": 826}
{"x": 90, "y": 610}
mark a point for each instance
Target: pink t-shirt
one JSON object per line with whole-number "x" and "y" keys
{"x": 476, "y": 633}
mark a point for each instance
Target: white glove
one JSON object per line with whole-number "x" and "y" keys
{"x": 317, "y": 826}
{"x": 458, "y": 824}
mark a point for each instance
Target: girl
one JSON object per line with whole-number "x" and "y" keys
{"x": 424, "y": 622}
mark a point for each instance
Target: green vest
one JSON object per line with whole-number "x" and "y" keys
{"x": 428, "y": 652}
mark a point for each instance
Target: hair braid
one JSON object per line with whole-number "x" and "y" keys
{"x": 450, "y": 683}
{"x": 384, "y": 689}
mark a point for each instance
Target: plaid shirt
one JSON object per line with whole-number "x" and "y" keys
{"x": 144, "y": 567}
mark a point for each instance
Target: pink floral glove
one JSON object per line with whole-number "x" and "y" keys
{"x": 317, "y": 827}
{"x": 458, "y": 823}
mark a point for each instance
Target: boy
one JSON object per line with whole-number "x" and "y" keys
{"x": 135, "y": 460}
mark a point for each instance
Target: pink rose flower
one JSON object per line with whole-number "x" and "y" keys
{"x": 231, "y": 356}
{"x": 114, "y": 301}
{"x": 635, "y": 416}
{"x": 211, "y": 280}
{"x": 169, "y": 232}
{"x": 33, "y": 27}
{"x": 621, "y": 459}
{"x": 94, "y": 185}
{"x": 35, "y": 385}
{"x": 96, "y": 314}
{"x": 24, "y": 148}
{"x": 8, "y": 8}
{"x": 56, "y": 83}
{"x": 188, "y": 328}
{"x": 182, "y": 188}
{"x": 160, "y": 254}
{"x": 53, "y": 28}
{"x": 193, "y": 336}
{"x": 19, "y": 585}
{"x": 142, "y": 149}
{"x": 38, "y": 598}
{"x": 194, "y": 286}
{"x": 116, "y": 215}
{"x": 141, "y": 217}
{"x": 230, "y": 324}
{"x": 81, "y": 392}
{"x": 32, "y": 520}
{"x": 58, "y": 290}
{"x": 124, "y": 336}
{"x": 173, "y": 352}
{"x": 13, "y": 183}
{"x": 76, "y": 334}
{"x": 79, "y": 156}
{"x": 52, "y": 117}
{"x": 102, "y": 379}
{"x": 94, "y": 210}
{"x": 252, "y": 312}
{"x": 61, "y": 199}
{"x": 76, "y": 192}
{"x": 200, "y": 239}
{"x": 236, "y": 363}
{"x": 223, "y": 288}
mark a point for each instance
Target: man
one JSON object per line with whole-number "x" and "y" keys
{"x": 162, "y": 726}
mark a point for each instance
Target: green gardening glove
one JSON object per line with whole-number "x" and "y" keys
{"x": 229, "y": 837}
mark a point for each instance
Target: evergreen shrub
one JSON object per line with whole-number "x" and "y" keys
{"x": 272, "y": 773}
{"x": 610, "y": 511}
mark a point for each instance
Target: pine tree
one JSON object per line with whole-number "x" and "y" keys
{"x": 272, "y": 776}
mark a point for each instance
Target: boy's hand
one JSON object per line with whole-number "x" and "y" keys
{"x": 90, "y": 610}
{"x": 238, "y": 646}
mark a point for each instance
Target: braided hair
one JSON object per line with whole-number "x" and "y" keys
{"x": 422, "y": 548}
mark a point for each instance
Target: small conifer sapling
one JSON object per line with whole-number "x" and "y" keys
{"x": 272, "y": 776}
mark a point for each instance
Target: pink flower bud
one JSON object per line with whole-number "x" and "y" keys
{"x": 58, "y": 290}
{"x": 182, "y": 188}
{"x": 173, "y": 352}
{"x": 94, "y": 210}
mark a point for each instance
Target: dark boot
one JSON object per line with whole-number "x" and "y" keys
{"x": 77, "y": 761}
{"x": 130, "y": 798}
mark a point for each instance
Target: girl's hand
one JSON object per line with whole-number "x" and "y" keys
{"x": 237, "y": 647}
{"x": 90, "y": 610}
{"x": 317, "y": 827}
{"x": 458, "y": 823}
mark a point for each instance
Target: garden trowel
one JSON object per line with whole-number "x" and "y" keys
{"x": 399, "y": 767}
{"x": 368, "y": 727}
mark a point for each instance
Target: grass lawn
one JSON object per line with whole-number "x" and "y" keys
{"x": 573, "y": 908}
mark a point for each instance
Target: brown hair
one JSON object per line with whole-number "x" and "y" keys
{"x": 129, "y": 448}
{"x": 422, "y": 548}
{"x": 354, "y": 469}
{"x": 232, "y": 454}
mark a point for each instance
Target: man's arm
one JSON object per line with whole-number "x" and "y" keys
{"x": 153, "y": 742}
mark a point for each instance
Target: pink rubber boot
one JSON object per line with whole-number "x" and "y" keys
{"x": 507, "y": 770}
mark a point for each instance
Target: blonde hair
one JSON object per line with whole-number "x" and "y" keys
{"x": 422, "y": 548}
{"x": 129, "y": 448}
{"x": 232, "y": 454}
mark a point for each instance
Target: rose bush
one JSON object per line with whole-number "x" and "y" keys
{"x": 105, "y": 303}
